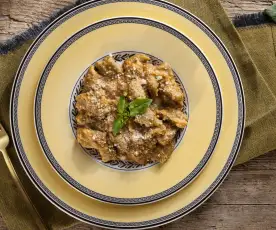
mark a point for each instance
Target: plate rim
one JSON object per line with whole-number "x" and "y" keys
{"x": 165, "y": 219}
{"x": 118, "y": 200}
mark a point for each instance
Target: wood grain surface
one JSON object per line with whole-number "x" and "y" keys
{"x": 247, "y": 198}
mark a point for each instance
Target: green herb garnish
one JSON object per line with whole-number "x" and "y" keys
{"x": 126, "y": 110}
{"x": 122, "y": 105}
{"x": 138, "y": 106}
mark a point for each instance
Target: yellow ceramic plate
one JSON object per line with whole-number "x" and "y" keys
{"x": 122, "y": 182}
{"x": 74, "y": 202}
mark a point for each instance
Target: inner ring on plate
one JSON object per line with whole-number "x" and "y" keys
{"x": 76, "y": 184}
{"x": 122, "y": 165}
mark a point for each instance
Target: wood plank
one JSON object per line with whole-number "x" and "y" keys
{"x": 17, "y": 15}
{"x": 246, "y": 217}
{"x": 234, "y": 7}
{"x": 247, "y": 187}
{"x": 265, "y": 162}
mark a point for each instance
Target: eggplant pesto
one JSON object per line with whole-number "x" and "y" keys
{"x": 130, "y": 111}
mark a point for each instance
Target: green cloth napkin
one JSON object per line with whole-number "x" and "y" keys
{"x": 256, "y": 62}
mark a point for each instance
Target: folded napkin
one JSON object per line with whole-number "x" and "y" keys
{"x": 252, "y": 46}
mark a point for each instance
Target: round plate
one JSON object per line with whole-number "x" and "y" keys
{"x": 108, "y": 183}
{"x": 61, "y": 193}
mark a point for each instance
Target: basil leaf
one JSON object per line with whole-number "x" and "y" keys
{"x": 117, "y": 125}
{"x": 122, "y": 105}
{"x": 125, "y": 110}
{"x": 139, "y": 106}
{"x": 139, "y": 101}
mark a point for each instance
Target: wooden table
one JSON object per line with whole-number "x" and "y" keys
{"x": 247, "y": 198}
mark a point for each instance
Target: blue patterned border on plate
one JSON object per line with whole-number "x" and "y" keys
{"x": 120, "y": 200}
{"x": 102, "y": 222}
{"x": 118, "y": 164}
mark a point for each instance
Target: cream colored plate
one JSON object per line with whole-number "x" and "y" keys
{"x": 58, "y": 87}
{"x": 69, "y": 199}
